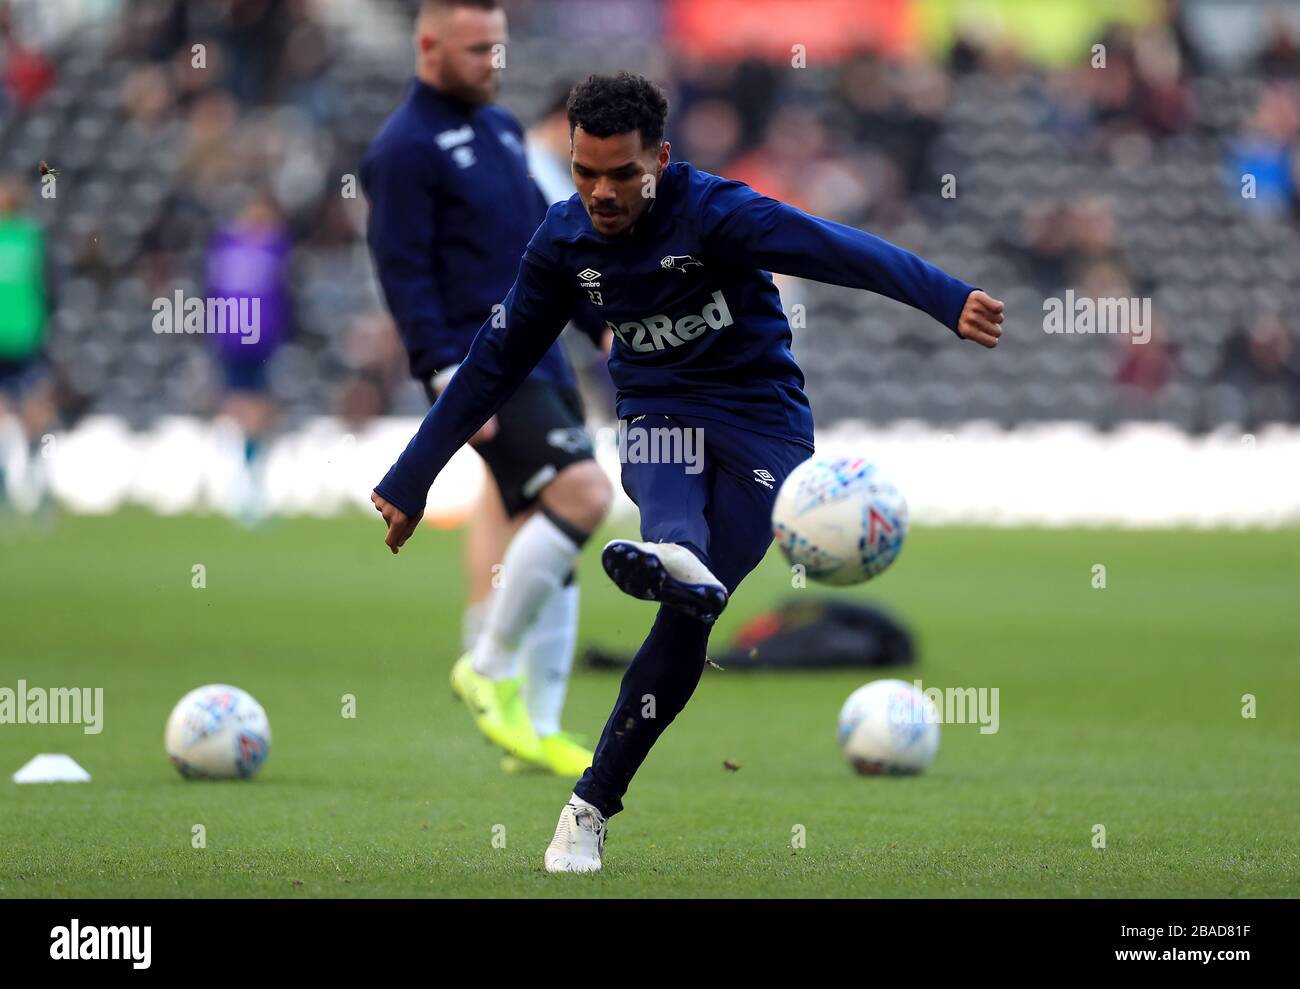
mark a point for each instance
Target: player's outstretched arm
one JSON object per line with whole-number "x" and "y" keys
{"x": 743, "y": 226}
{"x": 505, "y": 351}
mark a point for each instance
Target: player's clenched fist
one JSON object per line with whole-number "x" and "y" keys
{"x": 400, "y": 526}
{"x": 981, "y": 319}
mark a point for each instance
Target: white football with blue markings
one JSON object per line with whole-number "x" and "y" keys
{"x": 839, "y": 519}
{"x": 218, "y": 732}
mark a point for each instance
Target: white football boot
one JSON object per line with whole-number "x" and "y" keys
{"x": 667, "y": 573}
{"x": 579, "y": 838}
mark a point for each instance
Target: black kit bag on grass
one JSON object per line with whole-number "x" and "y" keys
{"x": 804, "y": 633}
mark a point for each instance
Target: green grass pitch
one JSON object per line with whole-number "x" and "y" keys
{"x": 1119, "y": 707}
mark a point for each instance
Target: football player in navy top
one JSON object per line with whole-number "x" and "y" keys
{"x": 452, "y": 206}
{"x": 677, "y": 261}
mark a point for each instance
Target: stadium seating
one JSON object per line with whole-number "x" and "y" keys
{"x": 134, "y": 213}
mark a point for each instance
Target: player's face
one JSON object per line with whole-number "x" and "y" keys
{"x": 467, "y": 45}
{"x": 616, "y": 177}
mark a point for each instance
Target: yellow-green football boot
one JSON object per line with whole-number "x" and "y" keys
{"x": 498, "y": 710}
{"x": 564, "y": 755}
{"x": 463, "y": 677}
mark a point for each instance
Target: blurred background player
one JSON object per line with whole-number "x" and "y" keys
{"x": 26, "y": 394}
{"x": 548, "y": 148}
{"x": 249, "y": 259}
{"x": 452, "y": 206}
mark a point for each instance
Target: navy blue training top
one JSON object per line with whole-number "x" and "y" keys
{"x": 698, "y": 322}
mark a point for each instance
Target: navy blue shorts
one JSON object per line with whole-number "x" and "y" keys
{"x": 718, "y": 498}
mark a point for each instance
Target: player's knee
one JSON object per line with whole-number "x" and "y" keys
{"x": 581, "y": 494}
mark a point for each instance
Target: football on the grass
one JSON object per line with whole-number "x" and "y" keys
{"x": 218, "y": 732}
{"x": 889, "y": 726}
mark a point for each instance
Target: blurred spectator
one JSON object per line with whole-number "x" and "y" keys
{"x": 147, "y": 99}
{"x": 797, "y": 163}
{"x": 154, "y": 29}
{"x": 253, "y": 35}
{"x": 1146, "y": 367}
{"x": 1266, "y": 152}
{"x": 1259, "y": 363}
{"x": 1164, "y": 101}
{"x": 1280, "y": 56}
{"x": 1063, "y": 243}
{"x": 249, "y": 260}
{"x": 750, "y": 87}
{"x": 896, "y": 111}
{"x": 26, "y": 398}
{"x": 209, "y": 160}
{"x": 711, "y": 128}
{"x": 28, "y": 73}
{"x": 377, "y": 368}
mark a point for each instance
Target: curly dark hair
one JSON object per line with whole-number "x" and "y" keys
{"x": 607, "y": 105}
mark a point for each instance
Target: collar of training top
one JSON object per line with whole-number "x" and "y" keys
{"x": 432, "y": 96}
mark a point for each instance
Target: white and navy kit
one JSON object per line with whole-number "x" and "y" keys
{"x": 701, "y": 343}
